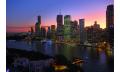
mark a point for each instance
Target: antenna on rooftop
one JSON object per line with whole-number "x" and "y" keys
{"x": 60, "y": 11}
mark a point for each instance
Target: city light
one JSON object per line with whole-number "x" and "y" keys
{"x": 79, "y": 38}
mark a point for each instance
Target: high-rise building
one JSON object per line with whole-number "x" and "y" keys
{"x": 32, "y": 30}
{"x": 37, "y": 26}
{"x": 74, "y": 29}
{"x": 110, "y": 24}
{"x": 110, "y": 16}
{"x": 39, "y": 19}
{"x": 82, "y": 31}
{"x": 53, "y": 27}
{"x": 94, "y": 33}
{"x": 67, "y": 27}
{"x": 43, "y": 32}
{"x": 97, "y": 26}
{"x": 53, "y": 32}
{"x": 59, "y": 20}
{"x": 59, "y": 33}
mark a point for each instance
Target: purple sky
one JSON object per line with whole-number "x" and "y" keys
{"x": 23, "y": 13}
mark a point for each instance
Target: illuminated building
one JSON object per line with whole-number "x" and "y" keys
{"x": 110, "y": 24}
{"x": 74, "y": 28}
{"x": 94, "y": 33}
{"x": 27, "y": 65}
{"x": 82, "y": 31}
{"x": 110, "y": 16}
{"x": 67, "y": 27}
{"x": 53, "y": 32}
{"x": 59, "y": 20}
{"x": 59, "y": 27}
{"x": 37, "y": 26}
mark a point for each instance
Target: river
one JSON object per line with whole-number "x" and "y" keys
{"x": 94, "y": 61}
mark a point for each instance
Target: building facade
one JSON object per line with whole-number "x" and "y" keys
{"x": 53, "y": 32}
{"x": 37, "y": 26}
{"x": 43, "y": 32}
{"x": 74, "y": 30}
{"x": 110, "y": 24}
{"x": 82, "y": 31}
{"x": 94, "y": 33}
{"x": 67, "y": 27}
{"x": 59, "y": 31}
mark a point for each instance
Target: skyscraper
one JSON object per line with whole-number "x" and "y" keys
{"x": 59, "y": 33}
{"x": 67, "y": 27}
{"x": 39, "y": 19}
{"x": 110, "y": 16}
{"x": 43, "y": 32}
{"x": 74, "y": 27}
{"x": 110, "y": 24}
{"x": 59, "y": 20}
{"x": 82, "y": 31}
{"x": 53, "y": 34}
{"x": 94, "y": 33}
{"x": 37, "y": 26}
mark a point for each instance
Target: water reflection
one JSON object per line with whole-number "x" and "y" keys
{"x": 48, "y": 49}
{"x": 95, "y": 61}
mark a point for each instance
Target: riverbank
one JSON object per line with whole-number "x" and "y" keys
{"x": 12, "y": 54}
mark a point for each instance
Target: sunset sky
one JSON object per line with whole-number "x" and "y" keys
{"x": 22, "y": 14}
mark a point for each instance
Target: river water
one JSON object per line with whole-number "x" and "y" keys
{"x": 94, "y": 61}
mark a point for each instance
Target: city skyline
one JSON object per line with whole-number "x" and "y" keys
{"x": 60, "y": 36}
{"x": 24, "y": 13}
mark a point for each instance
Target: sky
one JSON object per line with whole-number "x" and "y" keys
{"x": 22, "y": 14}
